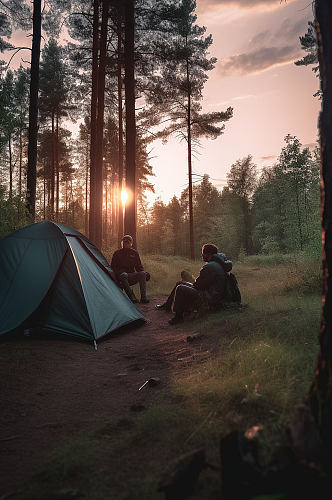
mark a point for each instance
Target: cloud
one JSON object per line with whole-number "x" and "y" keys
{"x": 244, "y": 4}
{"x": 242, "y": 97}
{"x": 261, "y": 37}
{"x": 288, "y": 32}
{"x": 260, "y": 59}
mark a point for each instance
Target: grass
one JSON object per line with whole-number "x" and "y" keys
{"x": 264, "y": 366}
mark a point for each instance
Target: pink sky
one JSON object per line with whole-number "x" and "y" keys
{"x": 256, "y": 44}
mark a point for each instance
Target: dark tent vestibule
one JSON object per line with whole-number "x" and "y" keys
{"x": 54, "y": 279}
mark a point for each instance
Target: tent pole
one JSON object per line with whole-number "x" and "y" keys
{"x": 95, "y": 344}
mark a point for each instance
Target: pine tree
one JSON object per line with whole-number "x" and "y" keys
{"x": 33, "y": 110}
{"x": 178, "y": 88}
{"x": 309, "y": 45}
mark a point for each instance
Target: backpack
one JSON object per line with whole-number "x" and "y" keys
{"x": 232, "y": 291}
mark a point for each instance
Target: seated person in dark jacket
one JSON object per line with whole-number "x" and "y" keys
{"x": 127, "y": 265}
{"x": 208, "y": 288}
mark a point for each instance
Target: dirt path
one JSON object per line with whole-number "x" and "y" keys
{"x": 54, "y": 389}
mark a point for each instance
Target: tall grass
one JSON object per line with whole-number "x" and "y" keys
{"x": 262, "y": 366}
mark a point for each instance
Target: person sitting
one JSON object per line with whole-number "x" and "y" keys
{"x": 206, "y": 291}
{"x": 127, "y": 265}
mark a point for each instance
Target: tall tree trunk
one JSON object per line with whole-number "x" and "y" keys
{"x": 93, "y": 113}
{"x": 86, "y": 215}
{"x": 299, "y": 222}
{"x": 44, "y": 192}
{"x": 98, "y": 235}
{"x": 10, "y": 167}
{"x": 105, "y": 229}
{"x": 115, "y": 206}
{"x": 52, "y": 169}
{"x": 33, "y": 110}
{"x": 20, "y": 164}
{"x": 321, "y": 390}
{"x": 57, "y": 173}
{"x": 120, "y": 149}
{"x": 190, "y": 179}
{"x": 129, "y": 50}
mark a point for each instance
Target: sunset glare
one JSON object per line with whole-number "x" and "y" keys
{"x": 124, "y": 197}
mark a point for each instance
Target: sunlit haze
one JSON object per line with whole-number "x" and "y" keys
{"x": 256, "y": 44}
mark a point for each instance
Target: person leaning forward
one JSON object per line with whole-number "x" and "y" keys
{"x": 127, "y": 265}
{"x": 208, "y": 288}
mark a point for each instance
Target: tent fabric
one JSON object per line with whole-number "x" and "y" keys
{"x": 52, "y": 277}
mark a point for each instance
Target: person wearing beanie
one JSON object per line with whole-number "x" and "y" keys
{"x": 127, "y": 265}
{"x": 207, "y": 290}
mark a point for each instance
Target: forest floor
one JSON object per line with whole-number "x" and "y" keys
{"x": 55, "y": 390}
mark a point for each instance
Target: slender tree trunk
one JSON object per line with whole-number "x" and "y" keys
{"x": 190, "y": 180}
{"x": 33, "y": 111}
{"x": 20, "y": 164}
{"x": 86, "y": 215}
{"x": 247, "y": 226}
{"x": 120, "y": 150}
{"x": 299, "y": 222}
{"x": 57, "y": 190}
{"x": 10, "y": 167}
{"x": 105, "y": 231}
{"x": 44, "y": 200}
{"x": 114, "y": 200}
{"x": 98, "y": 235}
{"x": 52, "y": 169}
{"x": 93, "y": 113}
{"x": 130, "y": 213}
{"x": 321, "y": 390}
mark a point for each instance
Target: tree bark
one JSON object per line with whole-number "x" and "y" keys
{"x": 120, "y": 148}
{"x": 57, "y": 173}
{"x": 86, "y": 215}
{"x": 93, "y": 116}
{"x": 321, "y": 389}
{"x": 33, "y": 111}
{"x": 190, "y": 180}
{"x": 52, "y": 169}
{"x": 98, "y": 231}
{"x": 129, "y": 50}
{"x": 10, "y": 167}
{"x": 20, "y": 163}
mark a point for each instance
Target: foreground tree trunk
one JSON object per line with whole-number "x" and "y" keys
{"x": 93, "y": 117}
{"x": 52, "y": 197}
{"x": 190, "y": 179}
{"x": 120, "y": 149}
{"x": 98, "y": 209}
{"x": 56, "y": 159}
{"x": 321, "y": 390}
{"x": 33, "y": 111}
{"x": 130, "y": 213}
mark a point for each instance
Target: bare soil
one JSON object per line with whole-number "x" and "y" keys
{"x": 53, "y": 389}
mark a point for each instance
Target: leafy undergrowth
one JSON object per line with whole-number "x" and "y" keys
{"x": 263, "y": 367}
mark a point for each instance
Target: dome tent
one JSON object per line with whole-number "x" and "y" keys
{"x": 54, "y": 279}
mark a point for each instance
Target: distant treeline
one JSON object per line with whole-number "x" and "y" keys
{"x": 277, "y": 211}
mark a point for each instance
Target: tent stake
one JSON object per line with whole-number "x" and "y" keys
{"x": 95, "y": 344}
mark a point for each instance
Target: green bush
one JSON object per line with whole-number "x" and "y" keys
{"x": 13, "y": 214}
